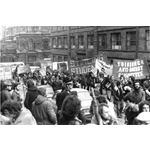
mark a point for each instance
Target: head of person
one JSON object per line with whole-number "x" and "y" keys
{"x": 11, "y": 109}
{"x": 144, "y": 107}
{"x": 104, "y": 111}
{"x": 71, "y": 107}
{"x": 69, "y": 85}
{"x": 15, "y": 85}
{"x": 131, "y": 79}
{"x": 8, "y": 85}
{"x": 122, "y": 78}
{"x": 136, "y": 85}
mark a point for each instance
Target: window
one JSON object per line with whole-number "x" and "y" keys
{"x": 60, "y": 58}
{"x": 116, "y": 41}
{"x": 65, "y": 58}
{"x": 90, "y": 41}
{"x": 148, "y": 40}
{"x": 35, "y": 29}
{"x": 131, "y": 40}
{"x": 59, "y": 42}
{"x": 54, "y": 42}
{"x": 72, "y": 41}
{"x": 31, "y": 58}
{"x": 31, "y": 44}
{"x": 81, "y": 41}
{"x": 65, "y": 45}
{"x": 45, "y": 44}
{"x": 102, "y": 41}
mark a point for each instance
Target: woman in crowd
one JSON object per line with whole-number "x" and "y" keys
{"x": 143, "y": 117}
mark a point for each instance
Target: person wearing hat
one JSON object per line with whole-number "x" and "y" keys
{"x": 6, "y": 92}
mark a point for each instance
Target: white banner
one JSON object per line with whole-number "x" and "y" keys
{"x": 103, "y": 67}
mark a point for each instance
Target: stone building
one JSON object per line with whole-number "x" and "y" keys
{"x": 34, "y": 43}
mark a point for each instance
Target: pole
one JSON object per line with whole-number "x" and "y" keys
{"x": 137, "y": 42}
{"x": 69, "y": 49}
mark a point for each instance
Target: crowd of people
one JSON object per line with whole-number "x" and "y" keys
{"x": 121, "y": 101}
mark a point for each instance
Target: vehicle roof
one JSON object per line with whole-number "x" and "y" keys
{"x": 44, "y": 86}
{"x": 79, "y": 90}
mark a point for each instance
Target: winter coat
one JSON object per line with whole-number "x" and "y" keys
{"x": 60, "y": 98}
{"x": 31, "y": 95}
{"x": 43, "y": 111}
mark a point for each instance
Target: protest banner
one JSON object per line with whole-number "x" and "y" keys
{"x": 137, "y": 68}
{"x": 5, "y": 73}
{"x": 24, "y": 69}
{"x": 82, "y": 66}
{"x": 103, "y": 67}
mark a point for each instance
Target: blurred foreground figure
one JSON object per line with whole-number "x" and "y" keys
{"x": 43, "y": 109}
{"x": 70, "y": 111}
{"x": 17, "y": 114}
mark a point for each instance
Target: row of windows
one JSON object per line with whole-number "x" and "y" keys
{"x": 62, "y": 42}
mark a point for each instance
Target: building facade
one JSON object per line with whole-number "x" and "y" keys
{"x": 60, "y": 43}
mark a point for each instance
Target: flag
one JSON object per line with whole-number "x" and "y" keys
{"x": 94, "y": 71}
{"x": 103, "y": 67}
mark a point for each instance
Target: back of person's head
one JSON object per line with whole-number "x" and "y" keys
{"x": 13, "y": 107}
{"x": 102, "y": 99}
{"x": 71, "y": 106}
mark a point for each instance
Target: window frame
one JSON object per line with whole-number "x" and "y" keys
{"x": 103, "y": 40}
{"x": 90, "y": 41}
{"x": 116, "y": 43}
{"x": 128, "y": 46}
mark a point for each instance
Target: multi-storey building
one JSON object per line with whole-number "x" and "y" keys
{"x": 31, "y": 44}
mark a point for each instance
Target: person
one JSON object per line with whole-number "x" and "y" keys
{"x": 17, "y": 114}
{"x": 15, "y": 91}
{"x": 103, "y": 116}
{"x": 43, "y": 109}
{"x": 6, "y": 91}
{"x": 133, "y": 99}
{"x": 62, "y": 95}
{"x": 31, "y": 94}
{"x": 70, "y": 111}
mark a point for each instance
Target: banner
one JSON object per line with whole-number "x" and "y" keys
{"x": 137, "y": 68}
{"x": 24, "y": 69}
{"x": 5, "y": 73}
{"x": 103, "y": 67}
{"x": 82, "y": 66}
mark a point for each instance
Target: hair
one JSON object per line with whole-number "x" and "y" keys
{"x": 42, "y": 91}
{"x": 13, "y": 107}
{"x": 101, "y": 99}
{"x": 142, "y": 104}
{"x": 71, "y": 107}
{"x": 30, "y": 83}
